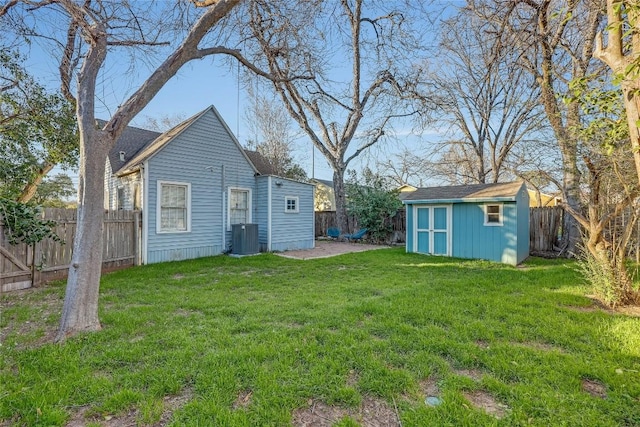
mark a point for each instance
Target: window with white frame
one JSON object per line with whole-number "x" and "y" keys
{"x": 493, "y": 214}
{"x": 174, "y": 205}
{"x": 291, "y": 204}
{"x": 239, "y": 206}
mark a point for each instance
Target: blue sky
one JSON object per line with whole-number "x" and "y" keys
{"x": 196, "y": 86}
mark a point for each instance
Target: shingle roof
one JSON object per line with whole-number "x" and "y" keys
{"x": 131, "y": 141}
{"x": 507, "y": 190}
{"x": 324, "y": 181}
{"x": 260, "y": 162}
{"x": 140, "y": 144}
{"x": 158, "y": 143}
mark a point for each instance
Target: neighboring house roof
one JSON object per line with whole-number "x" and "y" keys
{"x": 149, "y": 149}
{"x": 404, "y": 190}
{"x": 131, "y": 141}
{"x": 260, "y": 162}
{"x": 406, "y": 187}
{"x": 466, "y": 193}
{"x": 324, "y": 182}
{"x": 545, "y": 199}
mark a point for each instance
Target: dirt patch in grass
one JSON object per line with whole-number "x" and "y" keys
{"x": 377, "y": 413}
{"x": 598, "y": 305}
{"x": 540, "y": 346}
{"x": 44, "y": 304}
{"x": 474, "y": 374}
{"x": 318, "y": 414}
{"x": 582, "y": 309}
{"x": 485, "y": 401}
{"x": 482, "y": 344}
{"x": 131, "y": 418}
{"x": 352, "y": 378}
{"x": 594, "y": 388}
{"x": 371, "y": 413}
{"x": 243, "y": 400}
{"x": 629, "y": 310}
{"x": 429, "y": 387}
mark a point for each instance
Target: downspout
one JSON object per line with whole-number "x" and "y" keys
{"x": 224, "y": 212}
{"x": 269, "y": 214}
{"x": 145, "y": 211}
{"x": 313, "y": 216}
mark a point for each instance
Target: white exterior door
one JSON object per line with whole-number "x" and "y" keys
{"x": 432, "y": 229}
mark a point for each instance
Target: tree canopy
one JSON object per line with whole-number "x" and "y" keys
{"x": 38, "y": 130}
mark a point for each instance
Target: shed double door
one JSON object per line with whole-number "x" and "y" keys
{"x": 432, "y": 230}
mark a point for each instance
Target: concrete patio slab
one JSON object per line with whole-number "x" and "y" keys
{"x": 326, "y": 249}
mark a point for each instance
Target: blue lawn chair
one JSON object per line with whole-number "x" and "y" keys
{"x": 358, "y": 235}
{"x": 333, "y": 232}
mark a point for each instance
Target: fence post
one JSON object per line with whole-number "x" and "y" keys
{"x": 136, "y": 238}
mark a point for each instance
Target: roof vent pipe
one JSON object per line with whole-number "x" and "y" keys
{"x": 122, "y": 156}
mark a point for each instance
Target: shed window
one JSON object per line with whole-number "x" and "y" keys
{"x": 174, "y": 207}
{"x": 291, "y": 204}
{"x": 239, "y": 206}
{"x": 493, "y": 214}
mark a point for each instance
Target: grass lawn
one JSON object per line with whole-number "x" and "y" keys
{"x": 357, "y": 339}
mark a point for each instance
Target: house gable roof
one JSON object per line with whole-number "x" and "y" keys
{"x": 260, "y": 162}
{"x": 131, "y": 141}
{"x": 465, "y": 193}
{"x": 153, "y": 147}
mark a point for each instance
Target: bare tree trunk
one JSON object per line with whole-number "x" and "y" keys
{"x": 342, "y": 217}
{"x": 620, "y": 58}
{"x": 30, "y": 189}
{"x": 630, "y": 97}
{"x": 80, "y": 309}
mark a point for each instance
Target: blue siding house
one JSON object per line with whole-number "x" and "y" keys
{"x": 194, "y": 182}
{"x": 483, "y": 221}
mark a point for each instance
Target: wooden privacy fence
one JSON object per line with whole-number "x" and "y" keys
{"x": 326, "y": 219}
{"x": 22, "y": 266}
{"x": 545, "y": 225}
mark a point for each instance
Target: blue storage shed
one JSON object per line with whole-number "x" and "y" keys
{"x": 483, "y": 221}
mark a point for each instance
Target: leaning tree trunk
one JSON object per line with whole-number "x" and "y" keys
{"x": 30, "y": 189}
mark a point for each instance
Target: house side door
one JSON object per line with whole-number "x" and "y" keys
{"x": 432, "y": 230}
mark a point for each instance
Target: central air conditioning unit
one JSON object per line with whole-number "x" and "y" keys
{"x": 244, "y": 239}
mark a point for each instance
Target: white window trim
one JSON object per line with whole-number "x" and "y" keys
{"x": 286, "y": 204}
{"x": 159, "y": 207}
{"x": 500, "y": 213}
{"x": 249, "y": 207}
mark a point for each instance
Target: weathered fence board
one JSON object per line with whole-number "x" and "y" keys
{"x": 327, "y": 219}
{"x": 545, "y": 225}
{"x": 22, "y": 266}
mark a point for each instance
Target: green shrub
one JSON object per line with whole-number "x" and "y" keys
{"x": 373, "y": 203}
